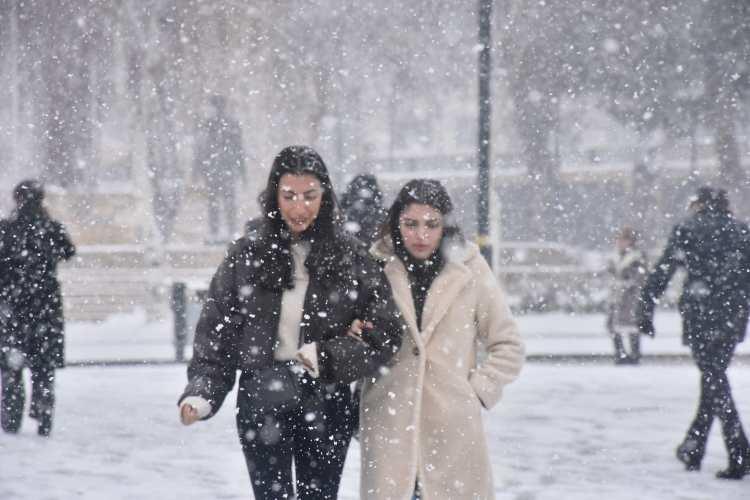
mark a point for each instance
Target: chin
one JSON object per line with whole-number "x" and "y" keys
{"x": 421, "y": 255}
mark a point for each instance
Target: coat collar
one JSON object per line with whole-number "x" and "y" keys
{"x": 449, "y": 283}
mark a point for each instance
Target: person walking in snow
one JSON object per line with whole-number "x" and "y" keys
{"x": 220, "y": 162}
{"x": 31, "y": 313}
{"x": 278, "y": 310}
{"x": 628, "y": 271}
{"x": 714, "y": 249}
{"x": 421, "y": 428}
{"x": 362, "y": 204}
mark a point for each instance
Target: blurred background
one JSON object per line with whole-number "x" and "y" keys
{"x": 603, "y": 113}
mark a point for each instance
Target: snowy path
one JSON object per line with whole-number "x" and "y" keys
{"x": 133, "y": 337}
{"x": 562, "y": 432}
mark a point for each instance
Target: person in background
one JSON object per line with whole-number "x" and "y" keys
{"x": 628, "y": 269}
{"x": 362, "y": 204}
{"x": 714, "y": 249}
{"x": 220, "y": 162}
{"x": 279, "y": 309}
{"x": 31, "y": 313}
{"x": 421, "y": 430}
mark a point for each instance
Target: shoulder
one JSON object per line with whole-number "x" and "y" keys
{"x": 249, "y": 242}
{"x": 457, "y": 250}
{"x": 351, "y": 251}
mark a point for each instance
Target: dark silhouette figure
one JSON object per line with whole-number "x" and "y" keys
{"x": 31, "y": 322}
{"x": 362, "y": 203}
{"x": 219, "y": 161}
{"x": 714, "y": 249}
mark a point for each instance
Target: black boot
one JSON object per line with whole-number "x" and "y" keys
{"x": 45, "y": 423}
{"x": 738, "y": 467}
{"x": 621, "y": 356}
{"x": 689, "y": 453}
{"x": 13, "y": 400}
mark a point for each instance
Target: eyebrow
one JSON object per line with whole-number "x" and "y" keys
{"x": 291, "y": 191}
{"x": 417, "y": 219}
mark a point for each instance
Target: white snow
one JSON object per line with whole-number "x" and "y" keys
{"x": 563, "y": 431}
{"x": 133, "y": 337}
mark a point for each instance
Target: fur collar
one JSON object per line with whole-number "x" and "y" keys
{"x": 455, "y": 250}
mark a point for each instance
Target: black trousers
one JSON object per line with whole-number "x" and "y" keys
{"x": 712, "y": 356}
{"x": 14, "y": 396}
{"x": 312, "y": 438}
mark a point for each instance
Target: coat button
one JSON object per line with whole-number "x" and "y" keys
{"x": 415, "y": 351}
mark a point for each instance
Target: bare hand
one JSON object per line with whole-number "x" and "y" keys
{"x": 188, "y": 414}
{"x": 306, "y": 362}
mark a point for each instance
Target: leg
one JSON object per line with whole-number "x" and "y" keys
{"x": 13, "y": 399}
{"x": 43, "y": 396}
{"x": 322, "y": 440}
{"x": 693, "y": 447}
{"x": 620, "y": 355}
{"x": 635, "y": 348}
{"x": 735, "y": 439}
{"x": 267, "y": 445}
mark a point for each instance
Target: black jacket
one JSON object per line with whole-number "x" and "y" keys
{"x": 714, "y": 249}
{"x": 31, "y": 246}
{"x": 238, "y": 326}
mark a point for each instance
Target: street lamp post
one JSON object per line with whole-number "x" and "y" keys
{"x": 483, "y": 204}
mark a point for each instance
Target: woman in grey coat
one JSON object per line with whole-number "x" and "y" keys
{"x": 628, "y": 270}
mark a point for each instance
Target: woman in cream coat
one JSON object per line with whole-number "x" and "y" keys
{"x": 420, "y": 420}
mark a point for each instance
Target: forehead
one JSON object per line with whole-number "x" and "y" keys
{"x": 421, "y": 212}
{"x": 298, "y": 183}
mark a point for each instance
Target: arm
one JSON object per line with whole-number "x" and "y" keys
{"x": 499, "y": 332}
{"x": 657, "y": 282}
{"x": 212, "y": 370}
{"x": 64, "y": 248}
{"x": 346, "y": 359}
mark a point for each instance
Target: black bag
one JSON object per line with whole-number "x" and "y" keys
{"x": 275, "y": 388}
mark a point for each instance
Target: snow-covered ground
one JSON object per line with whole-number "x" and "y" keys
{"x": 563, "y": 431}
{"x": 133, "y": 337}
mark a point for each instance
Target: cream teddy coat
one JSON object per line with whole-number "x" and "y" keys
{"x": 421, "y": 418}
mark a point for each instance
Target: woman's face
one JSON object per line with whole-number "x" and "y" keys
{"x": 421, "y": 228}
{"x": 299, "y": 198}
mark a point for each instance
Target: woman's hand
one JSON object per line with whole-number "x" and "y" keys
{"x": 356, "y": 328}
{"x": 188, "y": 414}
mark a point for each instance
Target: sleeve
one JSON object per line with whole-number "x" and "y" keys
{"x": 4, "y": 257}
{"x": 499, "y": 332}
{"x": 345, "y": 359}
{"x": 64, "y": 248}
{"x": 659, "y": 278}
{"x": 212, "y": 370}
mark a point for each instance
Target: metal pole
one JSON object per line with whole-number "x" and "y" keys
{"x": 179, "y": 308}
{"x": 485, "y": 109}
